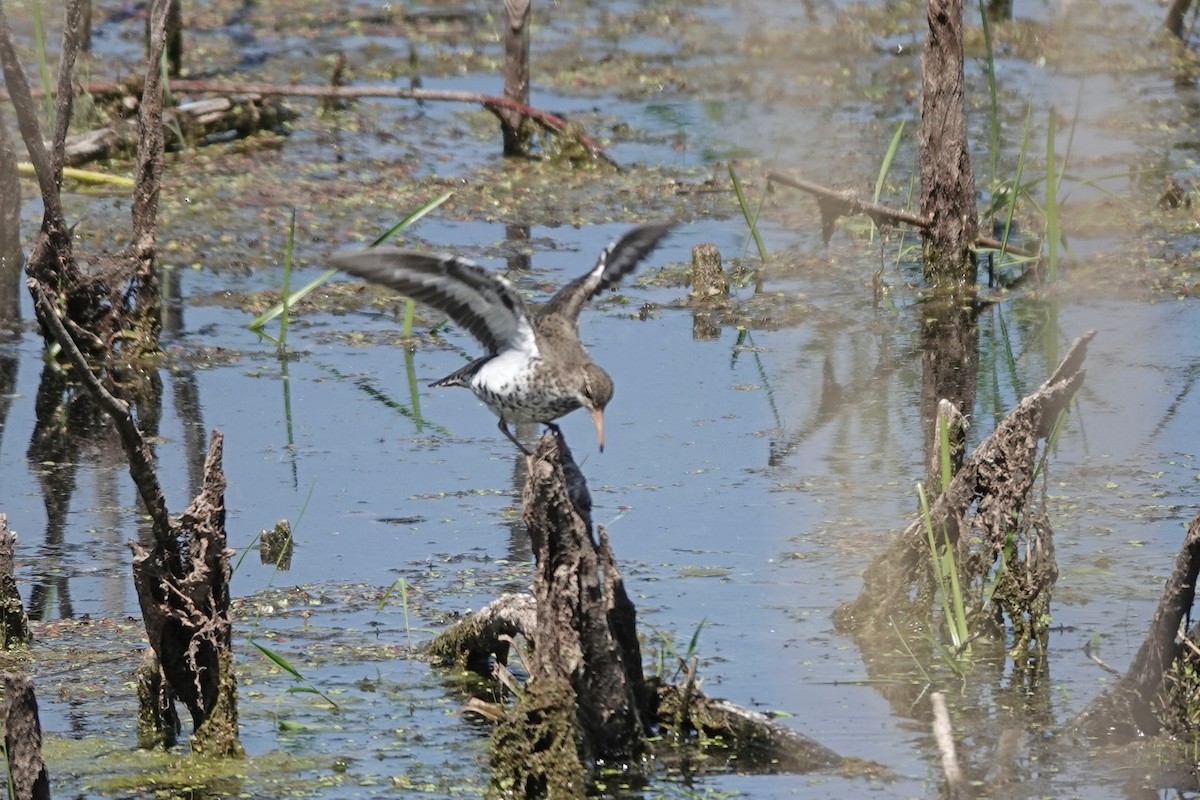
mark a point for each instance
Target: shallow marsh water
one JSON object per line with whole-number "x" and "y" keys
{"x": 732, "y": 497}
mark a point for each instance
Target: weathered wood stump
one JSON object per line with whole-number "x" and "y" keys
{"x": 997, "y": 479}
{"x": 185, "y": 603}
{"x": 14, "y": 622}
{"x": 585, "y": 701}
{"x": 1131, "y": 707}
{"x": 23, "y": 740}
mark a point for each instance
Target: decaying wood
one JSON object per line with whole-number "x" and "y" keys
{"x": 23, "y": 740}
{"x": 14, "y": 623}
{"x": 11, "y": 259}
{"x": 835, "y": 203}
{"x": 493, "y": 103}
{"x": 473, "y": 642}
{"x": 517, "y": 135}
{"x": 583, "y": 703}
{"x": 1129, "y": 708}
{"x": 947, "y": 177}
{"x": 997, "y": 477}
{"x": 158, "y": 723}
{"x": 1176, "y": 13}
{"x": 587, "y": 700}
{"x": 185, "y": 603}
{"x": 190, "y": 124}
{"x": 752, "y": 741}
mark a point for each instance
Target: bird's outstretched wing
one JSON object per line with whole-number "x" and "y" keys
{"x": 615, "y": 262}
{"x": 479, "y": 301}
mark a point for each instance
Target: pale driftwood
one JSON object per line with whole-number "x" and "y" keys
{"x": 943, "y": 734}
{"x": 200, "y": 122}
{"x": 23, "y": 740}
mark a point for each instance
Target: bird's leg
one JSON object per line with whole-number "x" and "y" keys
{"x": 512, "y": 438}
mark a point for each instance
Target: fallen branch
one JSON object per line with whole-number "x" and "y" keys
{"x": 834, "y": 203}
{"x": 195, "y": 123}
{"x": 493, "y": 103}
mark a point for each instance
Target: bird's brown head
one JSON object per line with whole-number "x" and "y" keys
{"x": 594, "y": 392}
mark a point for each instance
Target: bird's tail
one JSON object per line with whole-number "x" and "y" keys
{"x": 462, "y": 377}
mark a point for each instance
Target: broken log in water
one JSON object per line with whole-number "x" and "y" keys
{"x": 996, "y": 479}
{"x": 191, "y": 124}
{"x": 185, "y": 603}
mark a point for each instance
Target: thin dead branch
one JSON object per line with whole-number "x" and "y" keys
{"x": 835, "y": 203}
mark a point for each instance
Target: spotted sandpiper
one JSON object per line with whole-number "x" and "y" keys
{"x": 535, "y": 368}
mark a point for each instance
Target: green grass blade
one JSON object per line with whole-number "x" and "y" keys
{"x": 749, "y": 216}
{"x": 279, "y": 660}
{"x": 944, "y": 451}
{"x": 414, "y": 393}
{"x": 285, "y": 314}
{"x": 413, "y": 217}
{"x": 296, "y": 296}
{"x": 1016, "y": 184}
{"x": 888, "y": 158}
{"x": 309, "y": 288}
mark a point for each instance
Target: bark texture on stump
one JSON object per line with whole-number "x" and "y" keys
{"x": 23, "y": 740}
{"x": 997, "y": 478}
{"x": 586, "y": 696}
{"x": 185, "y": 604}
{"x": 513, "y": 126}
{"x": 947, "y": 179}
{"x": 14, "y": 623}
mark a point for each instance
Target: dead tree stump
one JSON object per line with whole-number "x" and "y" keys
{"x": 947, "y": 178}
{"x": 997, "y": 478}
{"x": 14, "y": 623}
{"x": 186, "y": 607}
{"x": 23, "y": 740}
{"x": 514, "y": 124}
{"x": 586, "y": 698}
